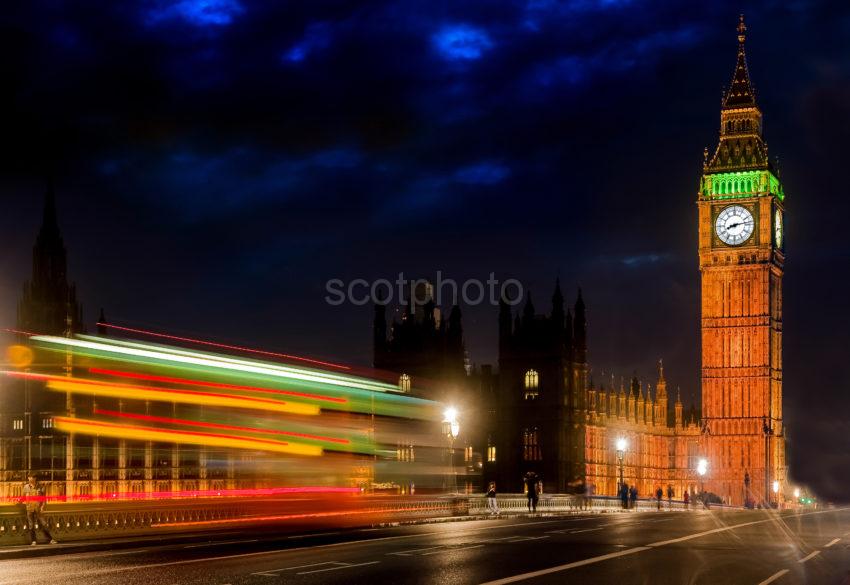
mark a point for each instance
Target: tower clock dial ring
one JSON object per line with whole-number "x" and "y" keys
{"x": 734, "y": 225}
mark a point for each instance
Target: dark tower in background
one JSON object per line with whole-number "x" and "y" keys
{"x": 541, "y": 396}
{"x": 422, "y": 343}
{"x": 49, "y": 303}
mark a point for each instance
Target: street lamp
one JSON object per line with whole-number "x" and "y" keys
{"x": 776, "y": 492}
{"x": 622, "y": 444}
{"x": 451, "y": 428}
{"x": 796, "y": 493}
{"x": 702, "y": 469}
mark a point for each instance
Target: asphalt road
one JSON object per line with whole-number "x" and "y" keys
{"x": 752, "y": 548}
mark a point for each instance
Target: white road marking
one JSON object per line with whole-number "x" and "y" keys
{"x": 343, "y": 566}
{"x": 311, "y": 535}
{"x": 560, "y": 568}
{"x": 831, "y": 542}
{"x": 638, "y": 549}
{"x": 585, "y": 530}
{"x": 274, "y": 572}
{"x": 218, "y": 543}
{"x": 774, "y": 577}
{"x": 434, "y": 552}
{"x": 809, "y": 556}
{"x": 407, "y": 553}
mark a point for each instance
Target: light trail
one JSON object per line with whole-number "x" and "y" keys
{"x": 181, "y": 421}
{"x": 183, "y": 396}
{"x": 224, "y": 493}
{"x": 206, "y": 360}
{"x": 222, "y": 345}
{"x": 103, "y": 429}
{"x": 188, "y": 382}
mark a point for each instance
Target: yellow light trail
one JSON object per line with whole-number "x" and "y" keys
{"x": 182, "y": 396}
{"x": 103, "y": 429}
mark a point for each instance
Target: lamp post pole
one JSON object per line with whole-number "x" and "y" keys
{"x": 452, "y": 430}
{"x": 621, "y": 452}
{"x": 702, "y": 469}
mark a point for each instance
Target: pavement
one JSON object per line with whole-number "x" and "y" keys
{"x": 748, "y": 547}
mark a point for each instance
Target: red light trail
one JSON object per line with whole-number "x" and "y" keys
{"x": 188, "y": 382}
{"x": 223, "y": 345}
{"x": 180, "y": 421}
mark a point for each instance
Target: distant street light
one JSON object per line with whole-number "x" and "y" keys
{"x": 796, "y": 493}
{"x": 451, "y": 428}
{"x": 776, "y": 492}
{"x": 622, "y": 444}
{"x": 702, "y": 469}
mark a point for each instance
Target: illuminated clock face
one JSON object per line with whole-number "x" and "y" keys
{"x": 777, "y": 228}
{"x": 734, "y": 225}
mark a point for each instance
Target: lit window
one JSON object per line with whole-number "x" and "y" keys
{"x": 18, "y": 424}
{"x": 47, "y": 423}
{"x": 467, "y": 454}
{"x": 531, "y": 445}
{"x": 404, "y": 452}
{"x": 491, "y": 454}
{"x": 531, "y": 384}
{"x": 404, "y": 383}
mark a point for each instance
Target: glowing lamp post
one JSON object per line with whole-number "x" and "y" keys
{"x": 796, "y": 493}
{"x": 702, "y": 469}
{"x": 622, "y": 444}
{"x": 451, "y": 428}
{"x": 776, "y": 492}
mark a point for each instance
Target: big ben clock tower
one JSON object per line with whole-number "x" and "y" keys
{"x": 741, "y": 258}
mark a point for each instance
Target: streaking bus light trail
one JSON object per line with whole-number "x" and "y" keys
{"x": 183, "y": 396}
{"x": 222, "y": 345}
{"x": 103, "y": 429}
{"x": 180, "y": 421}
{"x": 187, "y": 382}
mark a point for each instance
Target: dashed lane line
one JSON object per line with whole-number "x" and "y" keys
{"x": 809, "y": 556}
{"x": 831, "y": 542}
{"x": 774, "y": 577}
{"x": 559, "y": 568}
{"x": 342, "y": 566}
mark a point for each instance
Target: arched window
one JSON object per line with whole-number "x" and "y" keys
{"x": 532, "y": 382}
{"x": 531, "y": 445}
{"x": 404, "y": 383}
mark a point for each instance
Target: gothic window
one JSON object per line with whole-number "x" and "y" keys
{"x": 404, "y": 383}
{"x": 532, "y": 382}
{"x": 404, "y": 452}
{"x": 467, "y": 454}
{"x": 491, "y": 453}
{"x": 531, "y": 445}
{"x": 18, "y": 424}
{"x": 47, "y": 423}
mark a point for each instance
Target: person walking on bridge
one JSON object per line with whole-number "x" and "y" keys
{"x": 659, "y": 495}
{"x": 491, "y": 499}
{"x": 34, "y": 501}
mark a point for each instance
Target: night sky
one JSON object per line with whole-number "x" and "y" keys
{"x": 217, "y": 161}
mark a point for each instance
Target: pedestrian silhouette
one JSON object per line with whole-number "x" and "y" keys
{"x": 34, "y": 501}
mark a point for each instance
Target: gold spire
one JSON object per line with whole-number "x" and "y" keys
{"x": 742, "y": 30}
{"x": 740, "y": 93}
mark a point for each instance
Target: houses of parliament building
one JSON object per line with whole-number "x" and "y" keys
{"x": 538, "y": 410}
{"x": 543, "y": 413}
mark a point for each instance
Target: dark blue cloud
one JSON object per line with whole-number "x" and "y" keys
{"x": 203, "y": 13}
{"x": 462, "y": 42}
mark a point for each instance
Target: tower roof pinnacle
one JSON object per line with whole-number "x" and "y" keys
{"x": 740, "y": 93}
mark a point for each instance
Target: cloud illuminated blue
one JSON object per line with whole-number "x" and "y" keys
{"x": 461, "y": 42}
{"x": 483, "y": 173}
{"x": 201, "y": 13}
{"x": 316, "y": 37}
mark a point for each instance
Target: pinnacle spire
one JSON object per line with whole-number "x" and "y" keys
{"x": 740, "y": 93}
